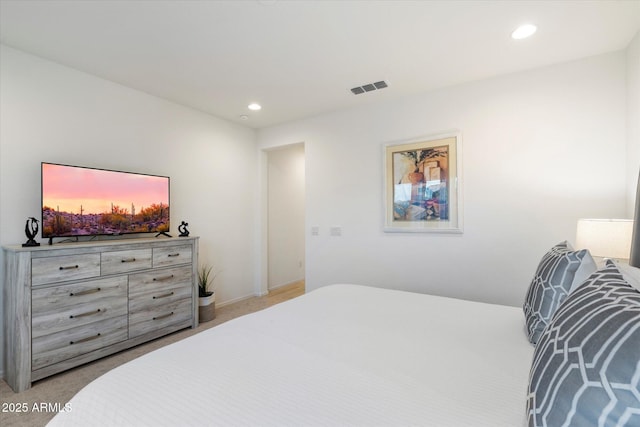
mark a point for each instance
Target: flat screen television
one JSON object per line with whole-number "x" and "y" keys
{"x": 82, "y": 201}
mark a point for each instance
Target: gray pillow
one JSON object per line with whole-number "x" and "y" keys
{"x": 555, "y": 278}
{"x": 586, "y": 366}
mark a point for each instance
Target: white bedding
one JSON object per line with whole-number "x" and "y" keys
{"x": 342, "y": 355}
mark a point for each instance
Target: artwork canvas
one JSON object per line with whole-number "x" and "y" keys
{"x": 422, "y": 185}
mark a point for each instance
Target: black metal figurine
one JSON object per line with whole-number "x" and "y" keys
{"x": 31, "y": 230}
{"x": 182, "y": 228}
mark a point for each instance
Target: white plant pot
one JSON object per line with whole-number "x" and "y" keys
{"x": 204, "y": 301}
{"x": 207, "y": 308}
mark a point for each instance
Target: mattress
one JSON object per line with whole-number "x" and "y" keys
{"x": 342, "y": 355}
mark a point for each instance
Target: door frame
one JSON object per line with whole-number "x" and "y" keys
{"x": 262, "y": 282}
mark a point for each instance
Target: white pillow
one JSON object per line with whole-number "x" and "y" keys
{"x": 631, "y": 274}
{"x": 587, "y": 267}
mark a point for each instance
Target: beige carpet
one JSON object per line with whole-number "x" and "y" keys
{"x": 38, "y": 404}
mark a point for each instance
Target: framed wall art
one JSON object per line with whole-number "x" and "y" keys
{"x": 422, "y": 185}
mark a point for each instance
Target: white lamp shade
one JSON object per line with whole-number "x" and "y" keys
{"x": 610, "y": 238}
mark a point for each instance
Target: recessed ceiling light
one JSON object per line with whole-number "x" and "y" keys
{"x": 244, "y": 117}
{"x": 254, "y": 107}
{"x": 524, "y": 31}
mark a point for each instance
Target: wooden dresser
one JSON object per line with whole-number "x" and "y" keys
{"x": 71, "y": 303}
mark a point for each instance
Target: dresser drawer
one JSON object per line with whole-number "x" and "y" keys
{"x": 63, "y": 345}
{"x": 165, "y": 278}
{"x": 57, "y": 308}
{"x": 63, "y": 268}
{"x": 155, "y": 318}
{"x": 173, "y": 255}
{"x": 125, "y": 261}
{"x": 158, "y": 298}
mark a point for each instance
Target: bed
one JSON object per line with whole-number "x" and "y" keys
{"x": 350, "y": 355}
{"x": 341, "y": 355}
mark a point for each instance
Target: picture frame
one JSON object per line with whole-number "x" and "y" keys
{"x": 422, "y": 184}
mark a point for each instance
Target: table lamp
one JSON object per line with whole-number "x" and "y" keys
{"x": 605, "y": 238}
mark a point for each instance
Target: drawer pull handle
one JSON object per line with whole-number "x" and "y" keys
{"x": 163, "y": 278}
{"x": 164, "y": 316}
{"x": 69, "y": 267}
{"x": 87, "y": 292}
{"x": 88, "y": 313}
{"x": 174, "y": 255}
{"x": 128, "y": 260}
{"x": 84, "y": 340}
{"x": 163, "y": 296}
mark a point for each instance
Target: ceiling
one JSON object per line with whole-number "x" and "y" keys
{"x": 301, "y": 58}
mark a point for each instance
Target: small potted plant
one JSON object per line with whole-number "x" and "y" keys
{"x": 417, "y": 157}
{"x": 206, "y": 294}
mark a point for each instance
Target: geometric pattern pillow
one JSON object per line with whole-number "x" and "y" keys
{"x": 586, "y": 366}
{"x": 553, "y": 281}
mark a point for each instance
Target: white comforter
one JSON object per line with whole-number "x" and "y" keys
{"x": 343, "y": 355}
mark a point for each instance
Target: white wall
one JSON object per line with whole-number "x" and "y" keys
{"x": 540, "y": 150}
{"x": 633, "y": 121}
{"x": 52, "y": 113}
{"x": 286, "y": 213}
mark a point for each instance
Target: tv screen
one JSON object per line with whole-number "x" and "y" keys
{"x": 81, "y": 201}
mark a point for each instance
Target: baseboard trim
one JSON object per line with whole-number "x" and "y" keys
{"x": 235, "y": 300}
{"x": 257, "y": 294}
{"x": 282, "y": 285}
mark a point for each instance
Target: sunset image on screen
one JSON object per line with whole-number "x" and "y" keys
{"x": 83, "y": 201}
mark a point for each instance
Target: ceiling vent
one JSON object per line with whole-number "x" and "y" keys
{"x": 369, "y": 87}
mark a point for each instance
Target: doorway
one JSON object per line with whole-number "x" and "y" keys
{"x": 286, "y": 218}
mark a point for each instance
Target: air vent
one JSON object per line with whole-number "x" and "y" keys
{"x": 369, "y": 87}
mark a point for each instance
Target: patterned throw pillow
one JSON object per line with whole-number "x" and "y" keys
{"x": 586, "y": 366}
{"x": 553, "y": 281}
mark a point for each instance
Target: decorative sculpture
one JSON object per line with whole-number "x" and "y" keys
{"x": 182, "y": 228}
{"x": 31, "y": 230}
